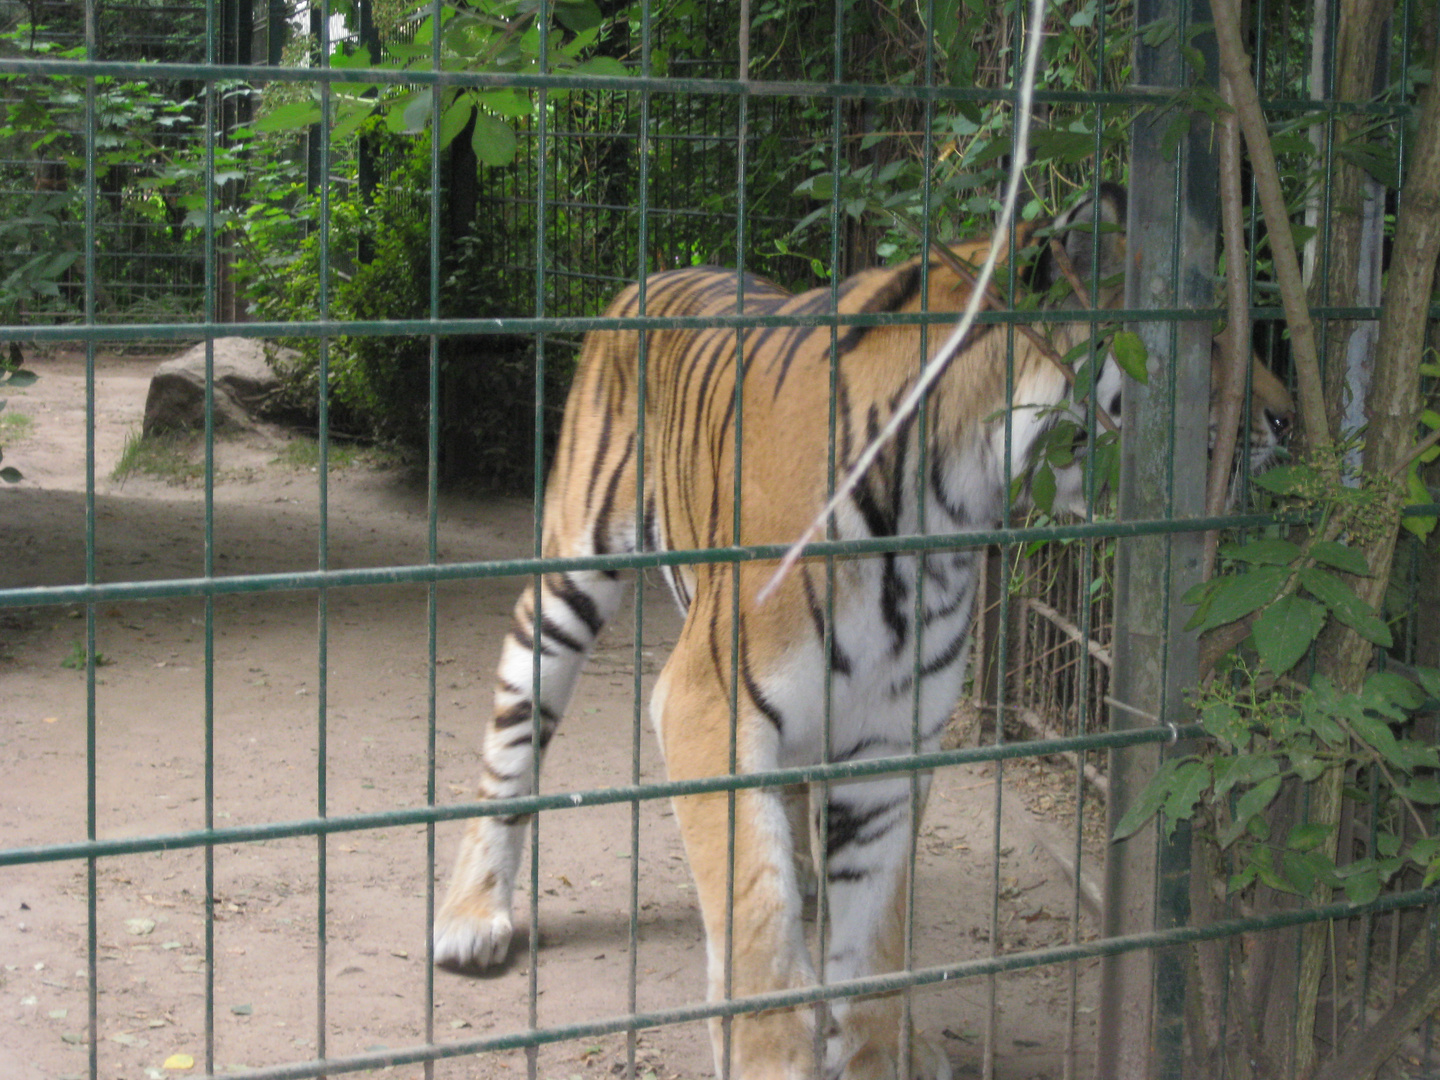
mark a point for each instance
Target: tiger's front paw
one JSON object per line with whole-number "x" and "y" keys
{"x": 471, "y": 939}
{"x": 928, "y": 1060}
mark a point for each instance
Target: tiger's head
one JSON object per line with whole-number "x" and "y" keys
{"x": 1069, "y": 260}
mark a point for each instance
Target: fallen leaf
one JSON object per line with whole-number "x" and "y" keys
{"x": 179, "y": 1061}
{"x": 242, "y": 1010}
{"x": 139, "y": 927}
{"x": 52, "y": 719}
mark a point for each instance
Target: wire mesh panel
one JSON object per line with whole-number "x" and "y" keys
{"x": 247, "y": 669}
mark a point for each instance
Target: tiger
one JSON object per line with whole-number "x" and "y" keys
{"x": 945, "y": 472}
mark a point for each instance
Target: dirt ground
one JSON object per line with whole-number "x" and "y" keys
{"x": 267, "y": 699}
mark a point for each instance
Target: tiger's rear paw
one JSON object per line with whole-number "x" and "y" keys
{"x": 465, "y": 940}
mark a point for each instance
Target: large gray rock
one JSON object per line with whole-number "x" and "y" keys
{"x": 245, "y": 387}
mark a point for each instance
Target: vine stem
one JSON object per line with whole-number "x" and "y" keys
{"x": 1235, "y": 67}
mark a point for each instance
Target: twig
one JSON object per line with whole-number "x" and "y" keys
{"x": 1272, "y": 202}
{"x": 1420, "y": 448}
{"x": 1237, "y": 330}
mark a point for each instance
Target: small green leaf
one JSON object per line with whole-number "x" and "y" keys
{"x": 511, "y": 103}
{"x": 1268, "y": 552}
{"x": 493, "y": 140}
{"x": 415, "y": 113}
{"x": 1299, "y": 875}
{"x": 1222, "y": 720}
{"x": 1424, "y": 790}
{"x": 1429, "y": 679}
{"x": 602, "y": 65}
{"x": 1307, "y": 837}
{"x": 1237, "y": 595}
{"x": 292, "y": 116}
{"x": 1242, "y": 769}
{"x": 1132, "y": 356}
{"x": 577, "y": 15}
{"x": 1345, "y": 605}
{"x": 1340, "y": 556}
{"x": 1186, "y": 786}
{"x": 1363, "y": 887}
{"x": 454, "y": 119}
{"x": 1417, "y": 494}
{"x": 1254, "y": 801}
{"x": 1042, "y": 487}
{"x": 1288, "y": 479}
{"x": 1284, "y": 631}
{"x": 21, "y": 377}
{"x": 1390, "y": 687}
{"x": 1378, "y": 735}
{"x": 1151, "y": 799}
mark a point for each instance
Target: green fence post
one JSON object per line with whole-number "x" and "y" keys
{"x": 1171, "y": 229}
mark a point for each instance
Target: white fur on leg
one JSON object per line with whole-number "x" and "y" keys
{"x": 473, "y": 926}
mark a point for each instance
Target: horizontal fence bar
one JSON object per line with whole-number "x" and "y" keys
{"x": 579, "y": 324}
{"x": 874, "y": 984}
{"x": 530, "y": 804}
{"x": 423, "y": 573}
{"x": 653, "y": 85}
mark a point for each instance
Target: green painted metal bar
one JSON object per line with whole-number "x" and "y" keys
{"x": 459, "y": 571}
{"x": 92, "y": 888}
{"x": 212, "y": 119}
{"x": 875, "y": 984}
{"x": 579, "y": 324}
{"x": 530, "y": 804}
{"x": 528, "y": 81}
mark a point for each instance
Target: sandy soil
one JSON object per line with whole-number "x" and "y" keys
{"x": 267, "y": 699}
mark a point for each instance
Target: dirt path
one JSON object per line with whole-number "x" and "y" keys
{"x": 150, "y": 709}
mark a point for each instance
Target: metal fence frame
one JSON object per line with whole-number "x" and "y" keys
{"x": 323, "y": 580}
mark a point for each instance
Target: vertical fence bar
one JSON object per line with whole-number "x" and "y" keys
{"x": 1171, "y": 233}
{"x": 542, "y": 158}
{"x": 642, "y": 267}
{"x": 214, "y": 115}
{"x": 91, "y": 717}
{"x": 432, "y": 512}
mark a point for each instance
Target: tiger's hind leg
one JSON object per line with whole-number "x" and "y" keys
{"x": 473, "y": 925}
{"x": 870, "y": 825}
{"x": 754, "y": 873}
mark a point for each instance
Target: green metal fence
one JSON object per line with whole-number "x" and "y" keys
{"x": 982, "y": 977}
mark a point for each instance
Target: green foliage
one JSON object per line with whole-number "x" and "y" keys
{"x": 498, "y": 36}
{"x": 884, "y": 177}
{"x": 1270, "y": 721}
{"x": 379, "y": 386}
{"x": 170, "y": 457}
{"x": 139, "y": 126}
{"x": 77, "y": 658}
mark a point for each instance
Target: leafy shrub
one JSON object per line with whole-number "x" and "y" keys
{"x": 380, "y": 384}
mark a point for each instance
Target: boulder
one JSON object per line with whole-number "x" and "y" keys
{"x": 245, "y": 387}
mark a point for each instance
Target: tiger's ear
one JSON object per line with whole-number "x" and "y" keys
{"x": 1076, "y": 232}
